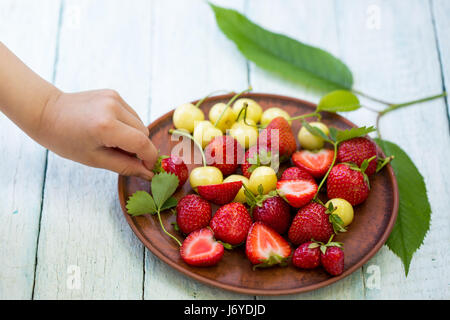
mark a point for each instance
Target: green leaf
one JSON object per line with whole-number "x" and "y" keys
{"x": 140, "y": 203}
{"x": 163, "y": 186}
{"x": 282, "y": 55}
{"x": 170, "y": 203}
{"x": 413, "y": 221}
{"x": 338, "y": 101}
{"x": 315, "y": 131}
{"x": 343, "y": 135}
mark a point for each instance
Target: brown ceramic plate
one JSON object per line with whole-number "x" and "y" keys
{"x": 370, "y": 229}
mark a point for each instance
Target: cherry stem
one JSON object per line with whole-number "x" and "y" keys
{"x": 199, "y": 102}
{"x": 370, "y": 97}
{"x": 165, "y": 231}
{"x": 308, "y": 115}
{"x": 405, "y": 104}
{"x": 335, "y": 144}
{"x": 187, "y": 135}
{"x": 229, "y": 103}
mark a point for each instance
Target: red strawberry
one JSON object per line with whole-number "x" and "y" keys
{"x": 311, "y": 222}
{"x": 296, "y": 173}
{"x": 265, "y": 247}
{"x": 357, "y": 150}
{"x": 193, "y": 213}
{"x": 221, "y": 193}
{"x": 255, "y": 157}
{"x": 316, "y": 163}
{"x": 348, "y": 182}
{"x": 274, "y": 212}
{"x": 333, "y": 260}
{"x": 200, "y": 249}
{"x": 231, "y": 223}
{"x": 279, "y": 131}
{"x": 297, "y": 192}
{"x": 307, "y": 255}
{"x": 224, "y": 153}
{"x": 172, "y": 164}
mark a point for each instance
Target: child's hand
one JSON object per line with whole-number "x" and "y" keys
{"x": 99, "y": 129}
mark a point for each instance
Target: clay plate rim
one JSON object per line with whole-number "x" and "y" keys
{"x": 272, "y": 292}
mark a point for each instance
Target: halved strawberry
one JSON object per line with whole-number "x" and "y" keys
{"x": 200, "y": 249}
{"x": 297, "y": 192}
{"x": 221, "y": 193}
{"x": 265, "y": 247}
{"x": 316, "y": 163}
{"x": 296, "y": 173}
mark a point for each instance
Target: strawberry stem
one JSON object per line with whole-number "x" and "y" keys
{"x": 165, "y": 231}
{"x": 230, "y": 102}
{"x": 187, "y": 135}
{"x": 335, "y": 144}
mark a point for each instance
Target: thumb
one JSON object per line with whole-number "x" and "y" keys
{"x": 122, "y": 163}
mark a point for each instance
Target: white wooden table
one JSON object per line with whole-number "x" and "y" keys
{"x": 62, "y": 233}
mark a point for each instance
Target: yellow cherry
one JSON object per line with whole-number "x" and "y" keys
{"x": 199, "y": 130}
{"x": 343, "y": 209}
{"x": 186, "y": 115}
{"x": 240, "y": 197}
{"x": 309, "y": 141}
{"x": 209, "y": 134}
{"x": 272, "y": 113}
{"x": 228, "y": 117}
{"x": 246, "y": 135}
{"x": 203, "y": 176}
{"x": 254, "y": 110}
{"x": 264, "y": 176}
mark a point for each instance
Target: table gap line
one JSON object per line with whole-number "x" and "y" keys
{"x": 55, "y": 63}
{"x": 441, "y": 66}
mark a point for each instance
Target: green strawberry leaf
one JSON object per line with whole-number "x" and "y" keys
{"x": 338, "y": 101}
{"x": 413, "y": 221}
{"x": 157, "y": 168}
{"x": 141, "y": 203}
{"x": 343, "y": 135}
{"x": 282, "y": 55}
{"x": 163, "y": 186}
{"x": 170, "y": 203}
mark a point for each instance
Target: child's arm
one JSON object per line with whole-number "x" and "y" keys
{"x": 93, "y": 127}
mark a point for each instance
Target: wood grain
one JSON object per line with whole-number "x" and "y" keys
{"x": 103, "y": 44}
{"x": 399, "y": 62}
{"x": 294, "y": 19}
{"x": 191, "y": 58}
{"x": 24, "y": 27}
{"x": 161, "y": 53}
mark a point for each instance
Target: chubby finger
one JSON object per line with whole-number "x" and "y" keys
{"x": 120, "y": 162}
{"x": 127, "y": 106}
{"x": 132, "y": 120}
{"x": 131, "y": 140}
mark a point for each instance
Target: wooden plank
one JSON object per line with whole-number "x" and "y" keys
{"x": 24, "y": 27}
{"x": 397, "y": 59}
{"x": 84, "y": 238}
{"x": 190, "y": 59}
{"x": 314, "y": 23}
